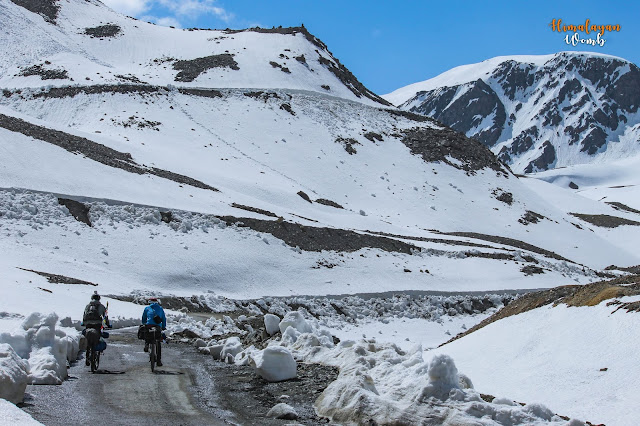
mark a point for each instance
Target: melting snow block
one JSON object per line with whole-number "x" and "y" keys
{"x": 230, "y": 349}
{"x": 13, "y": 374}
{"x": 275, "y": 364}
{"x": 296, "y": 320}
{"x": 283, "y": 411}
{"x": 271, "y": 324}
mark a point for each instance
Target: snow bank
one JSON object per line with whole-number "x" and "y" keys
{"x": 178, "y": 324}
{"x": 275, "y": 364}
{"x": 394, "y": 386}
{"x": 12, "y": 415}
{"x": 47, "y": 350}
{"x": 377, "y": 381}
{"x": 13, "y": 374}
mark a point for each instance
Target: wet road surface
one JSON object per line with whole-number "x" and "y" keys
{"x": 124, "y": 391}
{"x": 189, "y": 389}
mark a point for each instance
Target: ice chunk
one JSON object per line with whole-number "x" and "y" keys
{"x": 271, "y": 323}
{"x": 275, "y": 364}
{"x": 296, "y": 320}
{"x": 231, "y": 347}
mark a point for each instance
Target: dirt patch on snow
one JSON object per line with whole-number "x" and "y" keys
{"x": 93, "y": 150}
{"x": 103, "y": 31}
{"x": 60, "y": 279}
{"x": 329, "y": 203}
{"x": 605, "y": 220}
{"x": 310, "y": 238}
{"x": 509, "y": 242}
{"x": 620, "y": 206}
{"x": 254, "y": 210}
{"x": 189, "y": 70}
{"x": 44, "y": 73}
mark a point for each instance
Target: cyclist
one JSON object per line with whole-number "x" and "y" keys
{"x": 153, "y": 317}
{"x": 95, "y": 315}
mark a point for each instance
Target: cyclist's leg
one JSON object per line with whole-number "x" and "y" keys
{"x": 159, "y": 353}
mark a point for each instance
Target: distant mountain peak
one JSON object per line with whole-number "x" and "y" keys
{"x": 537, "y": 112}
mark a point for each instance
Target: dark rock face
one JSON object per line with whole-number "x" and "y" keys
{"x": 304, "y": 196}
{"x": 546, "y": 159}
{"x": 77, "y": 210}
{"x": 191, "y": 69}
{"x": 348, "y": 144}
{"x": 93, "y": 150}
{"x": 572, "y": 99}
{"x": 103, "y": 31}
{"x": 439, "y": 144}
{"x": 459, "y": 116}
{"x": 48, "y": 9}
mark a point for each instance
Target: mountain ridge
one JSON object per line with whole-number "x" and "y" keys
{"x": 538, "y": 112}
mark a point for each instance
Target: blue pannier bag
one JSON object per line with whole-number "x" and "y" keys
{"x": 105, "y": 334}
{"x": 100, "y": 346}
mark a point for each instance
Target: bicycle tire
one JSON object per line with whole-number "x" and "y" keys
{"x": 152, "y": 355}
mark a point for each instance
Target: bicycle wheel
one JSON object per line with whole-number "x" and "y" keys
{"x": 152, "y": 355}
{"x": 94, "y": 360}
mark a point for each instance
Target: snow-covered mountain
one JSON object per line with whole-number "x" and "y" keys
{"x": 317, "y": 183}
{"x": 201, "y": 164}
{"x": 538, "y": 112}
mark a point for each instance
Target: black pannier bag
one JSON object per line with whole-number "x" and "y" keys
{"x": 149, "y": 334}
{"x": 141, "y": 332}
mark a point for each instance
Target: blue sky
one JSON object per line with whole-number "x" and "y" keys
{"x": 389, "y": 44}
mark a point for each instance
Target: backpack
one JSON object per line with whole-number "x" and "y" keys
{"x": 93, "y": 314}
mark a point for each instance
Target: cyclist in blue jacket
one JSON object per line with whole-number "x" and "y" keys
{"x": 153, "y": 316}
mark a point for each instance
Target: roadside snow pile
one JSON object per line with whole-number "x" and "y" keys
{"x": 392, "y": 386}
{"x": 14, "y": 373}
{"x": 46, "y": 349}
{"x": 380, "y": 382}
{"x": 183, "y": 324}
{"x": 12, "y": 415}
{"x": 275, "y": 364}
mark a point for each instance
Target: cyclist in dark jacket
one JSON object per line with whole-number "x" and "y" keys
{"x": 153, "y": 317}
{"x": 95, "y": 315}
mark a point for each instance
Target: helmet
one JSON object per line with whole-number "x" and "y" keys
{"x": 95, "y": 296}
{"x": 153, "y": 299}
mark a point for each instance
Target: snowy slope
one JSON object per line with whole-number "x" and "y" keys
{"x": 580, "y": 360}
{"x": 414, "y": 195}
{"x": 537, "y": 112}
{"x": 88, "y": 43}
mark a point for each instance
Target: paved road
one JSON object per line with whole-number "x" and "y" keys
{"x": 190, "y": 389}
{"x": 124, "y": 391}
